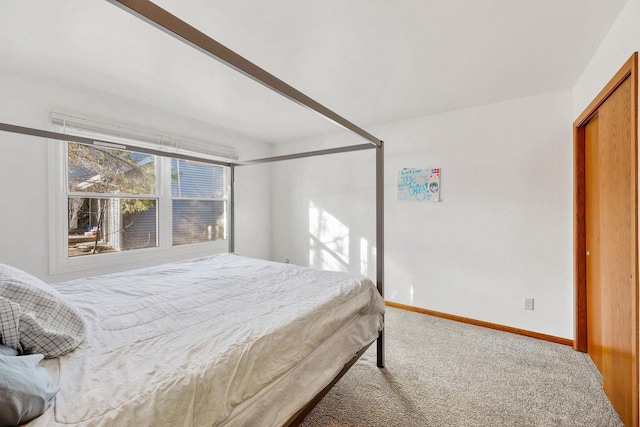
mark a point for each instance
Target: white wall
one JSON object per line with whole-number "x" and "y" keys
{"x": 324, "y": 207}
{"x": 502, "y": 231}
{"x": 28, "y": 101}
{"x": 619, "y": 44}
{"x": 622, "y": 40}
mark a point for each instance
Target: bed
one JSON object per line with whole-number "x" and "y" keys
{"x": 220, "y": 340}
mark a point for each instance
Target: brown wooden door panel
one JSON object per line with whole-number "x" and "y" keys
{"x": 606, "y": 203}
{"x": 592, "y": 217}
{"x": 617, "y": 247}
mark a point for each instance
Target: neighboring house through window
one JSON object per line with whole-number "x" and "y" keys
{"x": 198, "y": 205}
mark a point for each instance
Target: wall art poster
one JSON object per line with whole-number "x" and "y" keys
{"x": 419, "y": 185}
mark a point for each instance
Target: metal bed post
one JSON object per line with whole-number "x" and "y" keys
{"x": 105, "y": 143}
{"x": 172, "y": 25}
{"x": 232, "y": 232}
{"x": 380, "y": 242}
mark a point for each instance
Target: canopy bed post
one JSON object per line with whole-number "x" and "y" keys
{"x": 231, "y": 232}
{"x": 106, "y": 143}
{"x": 380, "y": 241}
{"x": 174, "y": 26}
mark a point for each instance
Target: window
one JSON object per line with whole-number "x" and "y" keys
{"x": 111, "y": 200}
{"x": 198, "y": 202}
{"x": 113, "y": 203}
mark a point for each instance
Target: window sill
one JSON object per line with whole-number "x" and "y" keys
{"x": 64, "y": 264}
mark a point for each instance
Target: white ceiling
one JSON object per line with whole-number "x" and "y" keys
{"x": 371, "y": 61}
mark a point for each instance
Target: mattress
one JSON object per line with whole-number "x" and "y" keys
{"x": 222, "y": 340}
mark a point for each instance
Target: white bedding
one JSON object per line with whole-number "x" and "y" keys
{"x": 210, "y": 341}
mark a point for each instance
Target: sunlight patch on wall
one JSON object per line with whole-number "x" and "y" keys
{"x": 328, "y": 241}
{"x": 364, "y": 256}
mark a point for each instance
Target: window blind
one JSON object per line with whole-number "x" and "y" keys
{"x": 142, "y": 138}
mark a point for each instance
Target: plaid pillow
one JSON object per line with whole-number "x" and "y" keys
{"x": 35, "y": 318}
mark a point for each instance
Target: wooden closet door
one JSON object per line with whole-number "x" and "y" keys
{"x": 610, "y": 216}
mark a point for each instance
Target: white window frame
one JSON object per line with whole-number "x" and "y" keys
{"x": 59, "y": 260}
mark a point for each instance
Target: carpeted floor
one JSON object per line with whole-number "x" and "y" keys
{"x": 444, "y": 373}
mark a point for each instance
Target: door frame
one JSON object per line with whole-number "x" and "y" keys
{"x": 628, "y": 70}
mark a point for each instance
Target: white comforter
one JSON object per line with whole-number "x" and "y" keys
{"x": 184, "y": 343}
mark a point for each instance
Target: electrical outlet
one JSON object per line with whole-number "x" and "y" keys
{"x": 528, "y": 304}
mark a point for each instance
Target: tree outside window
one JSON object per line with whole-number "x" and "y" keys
{"x": 112, "y": 201}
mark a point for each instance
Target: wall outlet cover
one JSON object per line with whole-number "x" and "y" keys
{"x": 528, "y": 303}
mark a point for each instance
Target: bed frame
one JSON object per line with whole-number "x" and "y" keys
{"x": 299, "y": 416}
{"x": 163, "y": 20}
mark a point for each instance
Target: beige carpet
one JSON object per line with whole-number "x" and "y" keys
{"x": 445, "y": 373}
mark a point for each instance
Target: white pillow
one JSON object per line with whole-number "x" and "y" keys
{"x": 7, "y": 351}
{"x": 25, "y": 392}
{"x": 35, "y": 317}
